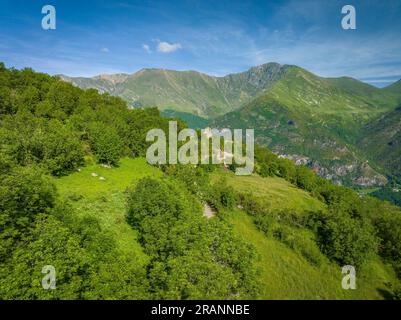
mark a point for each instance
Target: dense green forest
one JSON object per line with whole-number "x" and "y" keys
{"x": 159, "y": 245}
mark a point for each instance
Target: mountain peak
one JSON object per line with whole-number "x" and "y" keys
{"x": 394, "y": 86}
{"x": 265, "y": 67}
{"x": 113, "y": 78}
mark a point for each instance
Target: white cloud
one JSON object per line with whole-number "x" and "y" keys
{"x": 146, "y": 48}
{"x": 166, "y": 47}
{"x": 105, "y": 50}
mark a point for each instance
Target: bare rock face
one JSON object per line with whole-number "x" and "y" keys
{"x": 368, "y": 177}
{"x": 378, "y": 180}
{"x": 361, "y": 174}
{"x": 298, "y": 159}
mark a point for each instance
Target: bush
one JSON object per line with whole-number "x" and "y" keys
{"x": 345, "y": 239}
{"x": 222, "y": 196}
{"x": 50, "y": 144}
{"x": 24, "y": 194}
{"x": 251, "y": 204}
{"x": 50, "y": 243}
{"x": 191, "y": 258}
{"x": 106, "y": 143}
{"x": 194, "y": 178}
{"x": 152, "y": 198}
{"x": 264, "y": 222}
{"x": 306, "y": 178}
{"x": 388, "y": 225}
{"x": 62, "y": 150}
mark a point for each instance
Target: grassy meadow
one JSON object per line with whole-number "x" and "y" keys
{"x": 284, "y": 272}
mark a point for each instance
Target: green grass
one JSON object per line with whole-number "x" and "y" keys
{"x": 275, "y": 192}
{"x": 286, "y": 274}
{"x": 117, "y": 179}
{"x": 105, "y": 200}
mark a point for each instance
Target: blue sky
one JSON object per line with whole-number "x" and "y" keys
{"x": 216, "y": 37}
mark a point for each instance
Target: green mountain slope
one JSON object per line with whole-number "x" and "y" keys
{"x": 282, "y": 269}
{"x": 382, "y": 139}
{"x": 394, "y": 88}
{"x": 186, "y": 91}
{"x": 276, "y": 193}
{"x": 364, "y": 91}
{"x": 286, "y": 274}
{"x": 316, "y": 121}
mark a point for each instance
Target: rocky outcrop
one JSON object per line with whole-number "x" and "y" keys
{"x": 360, "y": 174}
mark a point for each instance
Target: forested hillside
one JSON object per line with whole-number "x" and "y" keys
{"x": 77, "y": 194}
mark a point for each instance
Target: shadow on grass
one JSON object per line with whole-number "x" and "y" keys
{"x": 386, "y": 294}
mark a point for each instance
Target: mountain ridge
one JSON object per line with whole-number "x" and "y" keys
{"x": 185, "y": 91}
{"x": 205, "y": 95}
{"x": 315, "y": 121}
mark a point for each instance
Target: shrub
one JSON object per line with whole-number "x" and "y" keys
{"x": 388, "y": 225}
{"x": 62, "y": 150}
{"x": 251, "y": 204}
{"x": 106, "y": 143}
{"x": 24, "y": 193}
{"x": 345, "y": 239}
{"x": 221, "y": 195}
{"x": 191, "y": 258}
{"x": 306, "y": 178}
{"x": 194, "y": 178}
{"x": 50, "y": 144}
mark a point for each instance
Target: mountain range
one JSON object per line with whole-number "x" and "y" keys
{"x": 186, "y": 91}
{"x": 346, "y": 130}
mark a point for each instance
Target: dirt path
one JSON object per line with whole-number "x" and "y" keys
{"x": 208, "y": 212}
